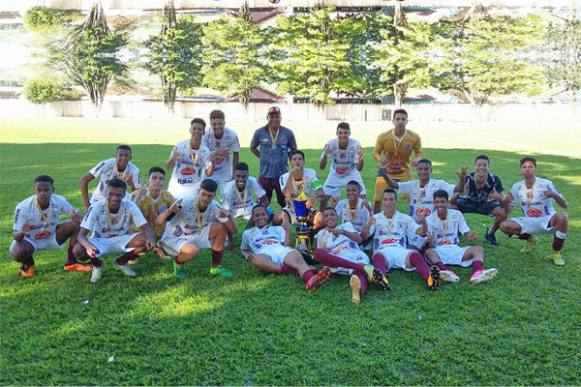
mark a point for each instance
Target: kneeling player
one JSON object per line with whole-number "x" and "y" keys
{"x": 536, "y": 197}
{"x": 197, "y": 223}
{"x": 443, "y": 228}
{"x": 36, "y": 227}
{"x": 110, "y": 221}
{"x": 243, "y": 193}
{"x": 356, "y": 211}
{"x": 267, "y": 248}
{"x": 338, "y": 247}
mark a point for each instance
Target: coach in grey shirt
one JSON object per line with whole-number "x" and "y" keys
{"x": 272, "y": 144}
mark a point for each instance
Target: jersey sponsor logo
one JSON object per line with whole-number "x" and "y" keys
{"x": 270, "y": 242}
{"x": 187, "y": 171}
{"x": 389, "y": 241}
{"x": 534, "y": 212}
{"x": 185, "y": 181}
{"x": 423, "y": 211}
{"x": 444, "y": 242}
{"x": 42, "y": 235}
{"x": 341, "y": 170}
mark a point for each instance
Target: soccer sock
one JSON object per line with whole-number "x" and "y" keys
{"x": 308, "y": 274}
{"x": 558, "y": 241}
{"x": 477, "y": 266}
{"x": 421, "y": 267}
{"x": 70, "y": 256}
{"x": 122, "y": 260}
{"x": 441, "y": 265}
{"x": 96, "y": 262}
{"x": 287, "y": 270}
{"x": 329, "y": 259}
{"x": 27, "y": 262}
{"x": 363, "y": 278}
{"x": 379, "y": 263}
{"x": 524, "y": 236}
{"x": 217, "y": 258}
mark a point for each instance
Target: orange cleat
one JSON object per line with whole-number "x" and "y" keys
{"x": 77, "y": 267}
{"x": 318, "y": 279}
{"x": 27, "y": 272}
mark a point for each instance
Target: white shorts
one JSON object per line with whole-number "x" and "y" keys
{"x": 201, "y": 239}
{"x": 335, "y": 182}
{"x": 112, "y": 245}
{"x": 414, "y": 240}
{"x": 179, "y": 191}
{"x": 276, "y": 252}
{"x": 42, "y": 244}
{"x": 396, "y": 257}
{"x": 351, "y": 255}
{"x": 452, "y": 255}
{"x": 530, "y": 225}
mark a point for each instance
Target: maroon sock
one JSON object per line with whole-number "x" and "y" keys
{"x": 524, "y": 236}
{"x": 287, "y": 270}
{"x": 379, "y": 263}
{"x": 122, "y": 260}
{"x": 441, "y": 265}
{"x": 308, "y": 274}
{"x": 70, "y": 256}
{"x": 477, "y": 266}
{"x": 421, "y": 267}
{"x": 217, "y": 258}
{"x": 96, "y": 262}
{"x": 363, "y": 279}
{"x": 328, "y": 259}
{"x": 557, "y": 243}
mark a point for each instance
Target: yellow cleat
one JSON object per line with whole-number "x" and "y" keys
{"x": 557, "y": 259}
{"x": 530, "y": 245}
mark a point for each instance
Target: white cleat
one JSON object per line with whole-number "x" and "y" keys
{"x": 482, "y": 276}
{"x": 126, "y": 270}
{"x": 96, "y": 274}
{"x": 449, "y": 276}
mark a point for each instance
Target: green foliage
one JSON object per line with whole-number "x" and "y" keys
{"x": 40, "y": 19}
{"x": 562, "y": 55}
{"x": 43, "y": 89}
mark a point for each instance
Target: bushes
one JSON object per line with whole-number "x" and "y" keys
{"x": 47, "y": 89}
{"x": 42, "y": 18}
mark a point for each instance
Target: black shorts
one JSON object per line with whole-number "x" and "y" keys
{"x": 466, "y": 205}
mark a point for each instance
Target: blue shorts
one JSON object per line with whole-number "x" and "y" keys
{"x": 466, "y": 205}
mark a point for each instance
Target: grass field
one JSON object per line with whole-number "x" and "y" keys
{"x": 57, "y": 328}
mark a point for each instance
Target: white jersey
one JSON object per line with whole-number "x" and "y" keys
{"x": 532, "y": 200}
{"x": 42, "y": 223}
{"x": 256, "y": 239}
{"x": 394, "y": 231}
{"x": 358, "y": 217}
{"x": 343, "y": 160}
{"x": 189, "y": 220}
{"x": 189, "y": 168}
{"x": 103, "y": 224}
{"x": 422, "y": 199}
{"x": 107, "y": 170}
{"x": 233, "y": 199}
{"x": 229, "y": 141}
{"x": 446, "y": 231}
{"x": 337, "y": 244}
{"x": 310, "y": 182}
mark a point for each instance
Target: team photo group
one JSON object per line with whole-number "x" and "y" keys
{"x": 322, "y": 228}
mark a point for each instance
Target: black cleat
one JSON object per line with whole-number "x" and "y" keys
{"x": 491, "y": 238}
{"x": 434, "y": 279}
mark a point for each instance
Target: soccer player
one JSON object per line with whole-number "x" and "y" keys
{"x": 268, "y": 249}
{"x": 272, "y": 144}
{"x": 243, "y": 193}
{"x": 222, "y": 141}
{"x": 483, "y": 195}
{"x": 338, "y": 247}
{"x": 197, "y": 223}
{"x": 347, "y": 161}
{"x": 393, "y": 150}
{"x": 189, "y": 161}
{"x": 536, "y": 196}
{"x": 444, "y": 225}
{"x": 421, "y": 194}
{"x": 354, "y": 209}
{"x": 110, "y": 221}
{"x": 119, "y": 167}
{"x": 36, "y": 227}
{"x": 389, "y": 235}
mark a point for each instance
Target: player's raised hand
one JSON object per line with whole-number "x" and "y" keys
{"x": 471, "y": 235}
{"x": 494, "y": 195}
{"x": 462, "y": 173}
{"x": 336, "y": 232}
{"x": 175, "y": 156}
{"x": 176, "y": 206}
{"x": 328, "y": 150}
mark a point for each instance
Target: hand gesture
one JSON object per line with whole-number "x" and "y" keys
{"x": 328, "y": 150}
{"x": 175, "y": 156}
{"x": 150, "y": 244}
{"x": 128, "y": 178}
{"x": 383, "y": 161}
{"x": 494, "y": 195}
{"x": 470, "y": 236}
{"x": 336, "y": 232}
{"x": 462, "y": 173}
{"x": 92, "y": 251}
{"x": 420, "y": 217}
{"x": 176, "y": 206}
{"x": 310, "y": 202}
{"x": 222, "y": 213}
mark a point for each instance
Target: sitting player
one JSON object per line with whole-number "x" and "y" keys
{"x": 36, "y": 227}
{"x": 355, "y": 210}
{"x": 389, "y": 235}
{"x": 482, "y": 195}
{"x": 536, "y": 196}
{"x": 444, "y": 225}
{"x": 119, "y": 167}
{"x": 268, "y": 249}
{"x": 347, "y": 161}
{"x": 243, "y": 193}
{"x": 110, "y": 221}
{"x": 338, "y": 247}
{"x": 197, "y": 223}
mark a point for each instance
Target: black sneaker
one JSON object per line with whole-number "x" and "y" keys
{"x": 491, "y": 238}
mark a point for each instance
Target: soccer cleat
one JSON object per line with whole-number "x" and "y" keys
{"x": 557, "y": 259}
{"x": 179, "y": 271}
{"x": 529, "y": 245}
{"x": 482, "y": 275}
{"x": 132, "y": 261}
{"x": 491, "y": 238}
{"x": 96, "y": 274}
{"x": 318, "y": 279}
{"x": 449, "y": 276}
{"x": 27, "y": 271}
{"x": 126, "y": 270}
{"x": 355, "y": 284}
{"x": 433, "y": 280}
{"x": 377, "y": 277}
{"x": 77, "y": 267}
{"x": 222, "y": 272}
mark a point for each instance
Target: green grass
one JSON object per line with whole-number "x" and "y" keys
{"x": 522, "y": 328}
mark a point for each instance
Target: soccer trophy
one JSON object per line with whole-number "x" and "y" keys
{"x": 303, "y": 241}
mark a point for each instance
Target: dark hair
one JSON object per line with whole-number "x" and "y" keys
{"x": 441, "y": 194}
{"x": 209, "y": 185}
{"x": 241, "y": 167}
{"x": 198, "y": 121}
{"x": 528, "y": 158}
{"x": 214, "y": 114}
{"x": 296, "y": 152}
{"x": 155, "y": 169}
{"x": 343, "y": 125}
{"x": 399, "y": 111}
{"x": 117, "y": 183}
{"x": 482, "y": 157}
{"x": 390, "y": 190}
{"x": 425, "y": 161}
{"x": 124, "y": 147}
{"x": 329, "y": 208}
{"x": 258, "y": 206}
{"x": 44, "y": 179}
{"x": 356, "y": 183}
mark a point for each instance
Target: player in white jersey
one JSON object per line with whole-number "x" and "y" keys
{"x": 243, "y": 193}
{"x": 390, "y": 232}
{"x": 120, "y": 167}
{"x": 196, "y": 223}
{"x": 444, "y": 225}
{"x": 535, "y": 196}
{"x": 355, "y": 210}
{"x": 421, "y": 194}
{"x": 36, "y": 227}
{"x": 110, "y": 222}
{"x": 337, "y": 247}
{"x": 222, "y": 141}
{"x": 347, "y": 161}
{"x": 268, "y": 249}
{"x": 189, "y": 161}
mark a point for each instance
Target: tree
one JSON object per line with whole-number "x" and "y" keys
{"x": 41, "y": 19}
